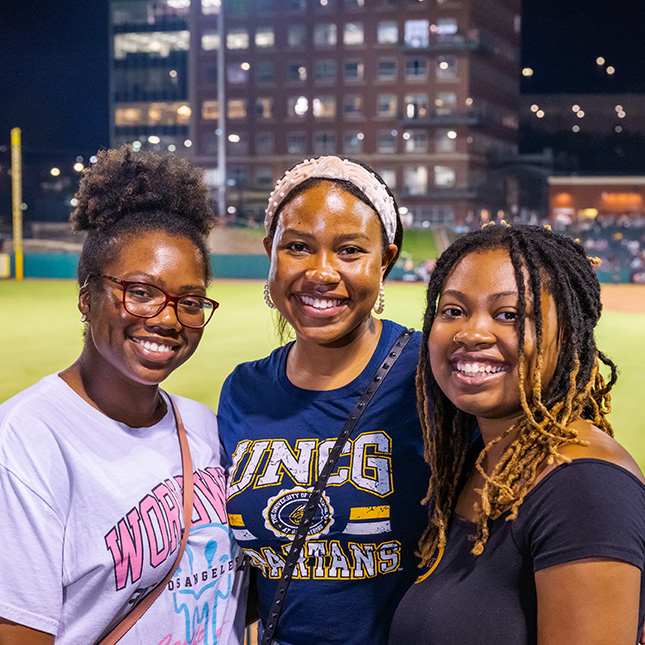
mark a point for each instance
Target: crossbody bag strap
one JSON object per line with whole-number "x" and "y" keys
{"x": 187, "y": 474}
{"x": 312, "y": 503}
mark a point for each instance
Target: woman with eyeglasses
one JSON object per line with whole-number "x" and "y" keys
{"x": 95, "y": 461}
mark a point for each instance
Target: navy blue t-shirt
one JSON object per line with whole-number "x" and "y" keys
{"x": 586, "y": 509}
{"x": 359, "y": 559}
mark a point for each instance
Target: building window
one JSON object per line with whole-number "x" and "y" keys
{"x": 444, "y": 176}
{"x": 354, "y": 70}
{"x": 324, "y": 143}
{"x": 416, "y": 69}
{"x": 417, "y": 33}
{"x": 445, "y": 103}
{"x": 153, "y": 113}
{"x": 238, "y": 144}
{"x": 353, "y": 33}
{"x": 263, "y": 108}
{"x": 325, "y": 70}
{"x": 264, "y": 143}
{"x": 264, "y": 37}
{"x": 386, "y": 141}
{"x": 325, "y": 34}
{"x": 446, "y": 26}
{"x": 324, "y": 107}
{"x": 353, "y": 105}
{"x": 296, "y": 143}
{"x": 236, "y": 74}
{"x": 263, "y": 178}
{"x": 446, "y": 68}
{"x": 415, "y": 106}
{"x": 386, "y": 69}
{"x": 236, "y": 109}
{"x": 388, "y": 175}
{"x": 416, "y": 141}
{"x": 209, "y": 74}
{"x": 296, "y": 71}
{"x": 352, "y": 142}
{"x": 265, "y": 71}
{"x": 387, "y": 32}
{"x": 157, "y": 44}
{"x": 236, "y": 177}
{"x": 445, "y": 140}
{"x": 296, "y": 35}
{"x": 297, "y": 106}
{"x": 415, "y": 180}
{"x": 210, "y": 110}
{"x": 386, "y": 105}
{"x": 354, "y": 4}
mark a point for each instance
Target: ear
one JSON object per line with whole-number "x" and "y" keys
{"x": 84, "y": 301}
{"x": 268, "y": 245}
{"x": 388, "y": 258}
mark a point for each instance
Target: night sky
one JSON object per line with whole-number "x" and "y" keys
{"x": 54, "y": 78}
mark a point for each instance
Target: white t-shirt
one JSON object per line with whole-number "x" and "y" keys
{"x": 91, "y": 517}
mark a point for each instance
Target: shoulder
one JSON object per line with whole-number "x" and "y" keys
{"x": 194, "y": 413}
{"x": 257, "y": 370}
{"x": 599, "y": 446}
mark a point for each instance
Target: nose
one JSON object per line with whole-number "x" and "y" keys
{"x": 167, "y": 317}
{"x": 474, "y": 333}
{"x": 322, "y": 269}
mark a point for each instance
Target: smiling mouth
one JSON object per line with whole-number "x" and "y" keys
{"x": 476, "y": 369}
{"x": 155, "y": 348}
{"x": 321, "y": 303}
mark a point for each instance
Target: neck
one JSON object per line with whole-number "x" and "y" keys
{"x": 136, "y": 405}
{"x": 327, "y": 367}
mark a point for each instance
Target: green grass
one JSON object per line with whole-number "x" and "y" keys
{"x": 42, "y": 334}
{"x": 420, "y": 243}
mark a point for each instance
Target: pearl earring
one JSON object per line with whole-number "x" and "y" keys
{"x": 267, "y": 296}
{"x": 379, "y": 305}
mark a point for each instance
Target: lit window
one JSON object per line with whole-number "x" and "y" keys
{"x": 324, "y": 107}
{"x": 263, "y": 108}
{"x": 446, "y": 68}
{"x": 236, "y": 74}
{"x": 296, "y": 143}
{"x": 264, "y": 37}
{"x": 236, "y": 109}
{"x": 386, "y": 69}
{"x": 415, "y": 106}
{"x": 353, "y": 142}
{"x": 296, "y": 71}
{"x": 324, "y": 143}
{"x": 325, "y": 34}
{"x": 297, "y": 106}
{"x": 385, "y": 141}
{"x": 386, "y": 105}
{"x": 157, "y": 44}
{"x": 237, "y": 38}
{"x": 353, "y": 33}
{"x": 353, "y": 105}
{"x": 388, "y": 175}
{"x": 443, "y": 142}
{"x": 417, "y": 33}
{"x": 387, "y": 32}
{"x": 325, "y": 70}
{"x": 446, "y": 26}
{"x": 263, "y": 178}
{"x": 296, "y": 35}
{"x": 416, "y": 68}
{"x": 152, "y": 113}
{"x": 415, "y": 180}
{"x": 210, "y": 7}
{"x": 265, "y": 143}
{"x": 354, "y": 70}
{"x": 444, "y": 176}
{"x": 417, "y": 142}
{"x": 210, "y": 110}
{"x": 210, "y": 41}
{"x": 445, "y": 103}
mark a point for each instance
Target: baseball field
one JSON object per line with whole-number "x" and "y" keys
{"x": 43, "y": 334}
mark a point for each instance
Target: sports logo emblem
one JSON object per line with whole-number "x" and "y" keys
{"x": 284, "y": 511}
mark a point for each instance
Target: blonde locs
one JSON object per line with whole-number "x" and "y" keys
{"x": 576, "y": 390}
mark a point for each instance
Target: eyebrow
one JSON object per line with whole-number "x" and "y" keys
{"x": 341, "y": 237}
{"x": 492, "y": 296}
{"x": 152, "y": 280}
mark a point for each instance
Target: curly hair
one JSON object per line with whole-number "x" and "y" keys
{"x": 126, "y": 193}
{"x": 541, "y": 259}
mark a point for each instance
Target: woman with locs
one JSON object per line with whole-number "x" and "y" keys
{"x": 333, "y": 234}
{"x": 94, "y": 487}
{"x": 543, "y": 542}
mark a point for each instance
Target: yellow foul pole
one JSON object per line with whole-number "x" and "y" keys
{"x": 16, "y": 195}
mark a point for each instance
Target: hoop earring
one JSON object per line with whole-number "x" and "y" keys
{"x": 379, "y": 305}
{"x": 454, "y": 338}
{"x": 267, "y": 296}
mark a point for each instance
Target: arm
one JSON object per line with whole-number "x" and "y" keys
{"x": 14, "y": 634}
{"x": 588, "y": 602}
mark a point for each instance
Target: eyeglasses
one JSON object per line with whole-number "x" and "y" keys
{"x": 145, "y": 301}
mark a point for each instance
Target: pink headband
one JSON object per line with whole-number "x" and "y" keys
{"x": 332, "y": 167}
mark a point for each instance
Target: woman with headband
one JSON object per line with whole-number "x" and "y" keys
{"x": 337, "y": 406}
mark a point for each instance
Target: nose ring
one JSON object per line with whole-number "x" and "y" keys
{"x": 454, "y": 338}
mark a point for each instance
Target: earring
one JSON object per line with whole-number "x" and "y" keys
{"x": 84, "y": 318}
{"x": 379, "y": 305}
{"x": 267, "y": 296}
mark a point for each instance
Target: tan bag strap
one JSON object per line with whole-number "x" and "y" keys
{"x": 187, "y": 472}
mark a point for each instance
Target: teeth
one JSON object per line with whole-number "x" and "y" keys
{"x": 320, "y": 303}
{"x": 478, "y": 368}
{"x": 153, "y": 347}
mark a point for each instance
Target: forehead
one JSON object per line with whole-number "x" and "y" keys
{"x": 157, "y": 253}
{"x": 326, "y": 205}
{"x": 482, "y": 271}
